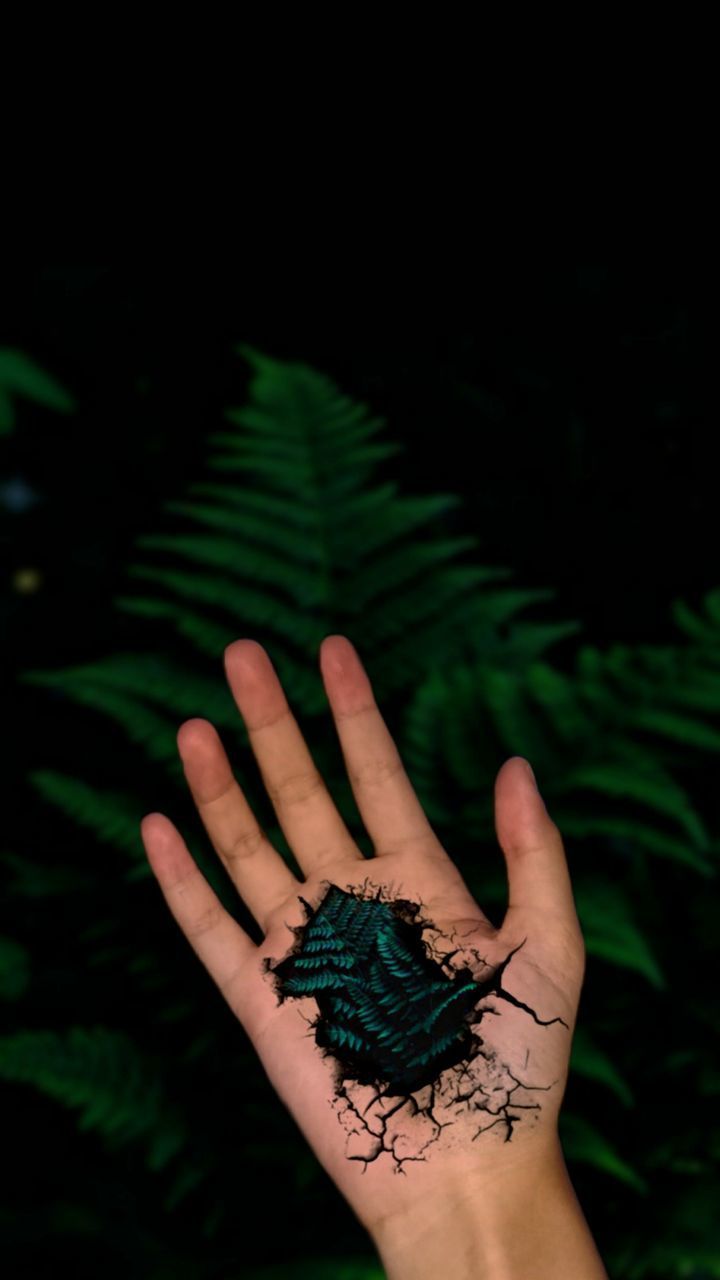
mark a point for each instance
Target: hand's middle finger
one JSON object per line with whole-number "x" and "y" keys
{"x": 307, "y": 814}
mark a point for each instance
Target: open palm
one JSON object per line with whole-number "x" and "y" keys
{"x": 498, "y": 1101}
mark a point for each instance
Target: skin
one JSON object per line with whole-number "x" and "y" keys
{"x": 488, "y": 1205}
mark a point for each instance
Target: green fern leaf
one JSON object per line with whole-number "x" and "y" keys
{"x": 705, "y": 634}
{"x": 581, "y": 1141}
{"x": 100, "y": 1074}
{"x": 589, "y": 1060}
{"x": 679, "y": 728}
{"x": 20, "y": 375}
{"x": 14, "y": 969}
{"x": 32, "y": 879}
{"x": 610, "y": 932}
{"x": 632, "y": 832}
{"x": 649, "y": 785}
{"x": 112, "y": 816}
{"x": 557, "y": 695}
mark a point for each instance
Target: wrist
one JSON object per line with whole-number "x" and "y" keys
{"x": 521, "y": 1219}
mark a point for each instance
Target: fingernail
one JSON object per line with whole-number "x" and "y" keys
{"x": 335, "y": 658}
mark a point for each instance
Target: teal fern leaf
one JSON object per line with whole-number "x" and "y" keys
{"x": 392, "y": 1011}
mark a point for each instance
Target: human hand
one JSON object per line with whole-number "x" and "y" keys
{"x": 423, "y": 960}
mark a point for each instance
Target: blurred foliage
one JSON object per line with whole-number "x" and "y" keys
{"x": 290, "y": 537}
{"x": 21, "y": 376}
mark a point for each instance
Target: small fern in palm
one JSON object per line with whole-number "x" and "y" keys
{"x": 387, "y": 1010}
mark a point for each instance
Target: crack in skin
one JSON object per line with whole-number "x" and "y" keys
{"x": 455, "y": 1086}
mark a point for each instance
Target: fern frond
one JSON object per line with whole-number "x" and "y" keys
{"x": 633, "y": 832}
{"x": 99, "y": 1073}
{"x": 683, "y": 729}
{"x": 589, "y": 1060}
{"x": 142, "y": 724}
{"x": 609, "y": 929}
{"x": 295, "y": 572}
{"x": 238, "y": 601}
{"x": 704, "y": 632}
{"x": 648, "y": 785}
{"x": 14, "y": 969}
{"x": 20, "y": 375}
{"x": 307, "y": 541}
{"x": 584, "y": 727}
{"x": 110, "y": 815}
{"x": 36, "y": 880}
{"x": 581, "y": 1141}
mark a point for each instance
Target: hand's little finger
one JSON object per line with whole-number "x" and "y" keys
{"x": 227, "y": 951}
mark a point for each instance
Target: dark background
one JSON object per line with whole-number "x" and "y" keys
{"x": 572, "y": 406}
